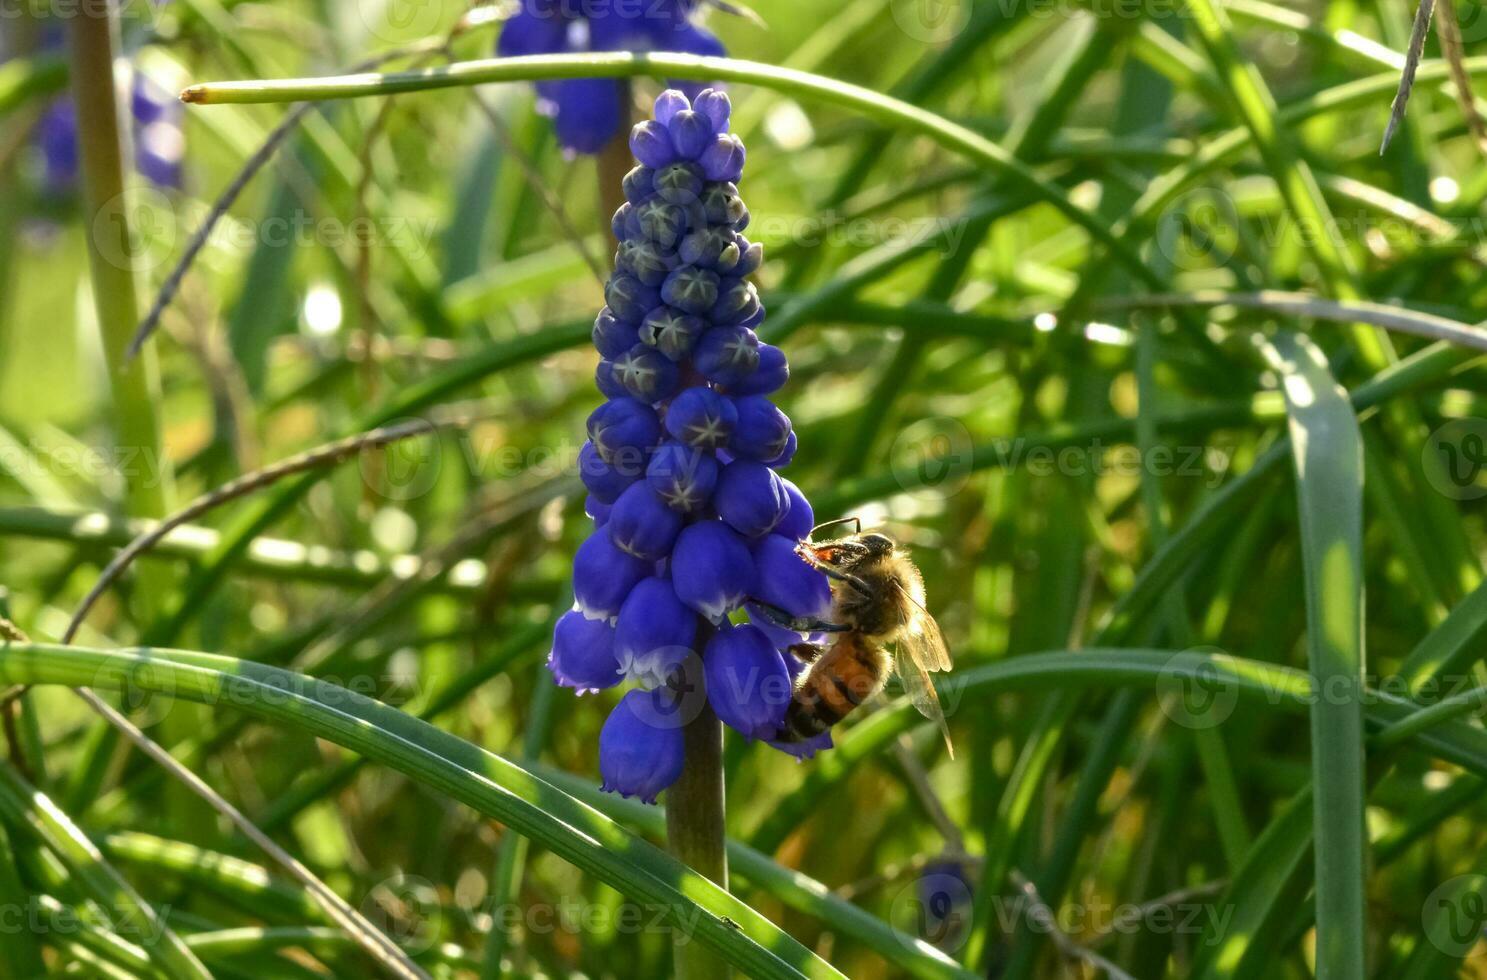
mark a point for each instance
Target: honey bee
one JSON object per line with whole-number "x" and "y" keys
{"x": 877, "y": 601}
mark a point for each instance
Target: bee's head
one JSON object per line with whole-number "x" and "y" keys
{"x": 877, "y": 545}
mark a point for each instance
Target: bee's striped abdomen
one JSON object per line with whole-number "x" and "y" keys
{"x": 840, "y": 680}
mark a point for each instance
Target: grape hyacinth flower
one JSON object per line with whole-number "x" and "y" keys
{"x": 587, "y": 112}
{"x": 694, "y": 525}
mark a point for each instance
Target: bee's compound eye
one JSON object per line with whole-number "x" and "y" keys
{"x": 878, "y": 542}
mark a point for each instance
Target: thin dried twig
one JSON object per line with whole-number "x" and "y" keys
{"x": 1418, "y": 33}
{"x": 1041, "y": 917}
{"x": 1454, "y": 50}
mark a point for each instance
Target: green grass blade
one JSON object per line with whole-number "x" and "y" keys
{"x": 1328, "y": 451}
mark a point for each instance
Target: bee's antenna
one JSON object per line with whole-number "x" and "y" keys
{"x": 854, "y": 520}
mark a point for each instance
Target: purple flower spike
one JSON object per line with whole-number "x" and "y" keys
{"x": 701, "y": 418}
{"x": 668, "y": 104}
{"x": 727, "y": 355}
{"x": 748, "y": 684}
{"x": 712, "y": 569}
{"x": 724, "y": 159}
{"x": 802, "y": 517}
{"x": 655, "y": 633}
{"x": 646, "y": 374}
{"x": 582, "y": 654}
{"x": 684, "y": 477}
{"x": 606, "y": 482}
{"x": 763, "y": 431}
{"x": 603, "y": 576}
{"x": 768, "y": 377}
{"x": 751, "y": 498}
{"x": 715, "y": 105}
{"x": 691, "y": 133}
{"x": 622, "y": 424}
{"x": 640, "y": 753}
{"x": 651, "y": 144}
{"x": 787, "y": 582}
{"x": 641, "y": 524}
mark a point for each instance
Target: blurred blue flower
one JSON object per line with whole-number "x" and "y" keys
{"x": 711, "y": 529}
{"x": 587, "y": 112}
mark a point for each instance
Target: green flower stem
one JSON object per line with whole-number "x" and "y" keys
{"x": 135, "y": 386}
{"x": 885, "y": 109}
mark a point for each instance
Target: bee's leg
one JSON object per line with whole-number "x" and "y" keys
{"x": 832, "y": 571}
{"x": 800, "y": 624}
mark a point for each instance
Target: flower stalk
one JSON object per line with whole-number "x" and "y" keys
{"x": 695, "y": 834}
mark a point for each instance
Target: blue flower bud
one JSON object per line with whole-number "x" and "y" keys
{"x": 682, "y": 476}
{"x": 619, "y": 221}
{"x": 623, "y": 423}
{"x": 647, "y": 374}
{"x": 768, "y": 376}
{"x": 727, "y": 355}
{"x": 603, "y": 576}
{"x": 531, "y": 31}
{"x": 748, "y": 684}
{"x": 611, "y": 335}
{"x": 641, "y": 524}
{"x": 629, "y": 298}
{"x": 738, "y": 300}
{"x": 691, "y": 289}
{"x": 640, "y": 753}
{"x": 583, "y": 654}
{"x": 715, "y": 105}
{"x": 801, "y": 519}
{"x": 655, "y": 633}
{"x": 702, "y": 418}
{"x": 721, "y": 203}
{"x": 651, "y": 144}
{"x": 787, "y": 581}
{"x": 712, "y": 569}
{"x": 750, "y": 497}
{"x": 691, "y": 133}
{"x": 671, "y": 331}
{"x": 607, "y": 382}
{"x": 661, "y": 222}
{"x": 763, "y": 431}
{"x": 638, "y": 185}
{"x": 645, "y": 260}
{"x": 704, "y": 247}
{"x": 751, "y": 259}
{"x": 785, "y": 456}
{"x": 679, "y": 183}
{"x": 668, "y": 104}
{"x": 724, "y": 159}
{"x": 605, "y": 481}
{"x": 597, "y": 510}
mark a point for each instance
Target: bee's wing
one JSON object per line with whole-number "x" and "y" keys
{"x": 921, "y": 690}
{"x": 922, "y": 637}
